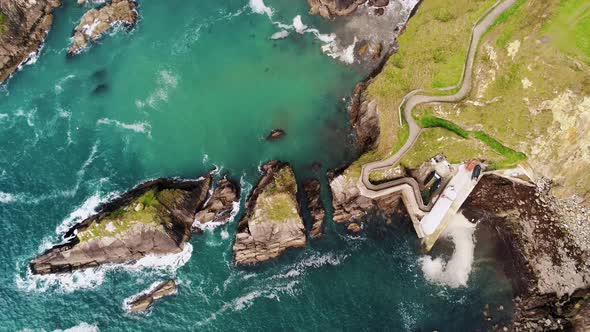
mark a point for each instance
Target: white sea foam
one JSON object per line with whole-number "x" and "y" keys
{"x": 94, "y": 277}
{"x": 148, "y": 290}
{"x": 87, "y": 209}
{"x": 280, "y": 35}
{"x": 259, "y": 7}
{"x": 82, "y": 327}
{"x": 138, "y": 127}
{"x": 298, "y": 25}
{"x": 344, "y": 54}
{"x": 6, "y": 197}
{"x": 88, "y": 29}
{"x": 224, "y": 234}
{"x": 165, "y": 82}
{"x": 455, "y": 272}
{"x": 58, "y": 87}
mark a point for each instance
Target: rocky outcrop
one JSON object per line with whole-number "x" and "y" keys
{"x": 315, "y": 206}
{"x": 23, "y": 27}
{"x": 272, "y": 222}
{"x": 550, "y": 251}
{"x": 364, "y": 118}
{"x": 331, "y": 8}
{"x": 275, "y": 134}
{"x": 97, "y": 21}
{"x": 350, "y": 206}
{"x": 144, "y": 300}
{"x": 155, "y": 218}
{"x": 219, "y": 207}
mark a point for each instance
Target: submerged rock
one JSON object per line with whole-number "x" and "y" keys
{"x": 97, "y": 21}
{"x": 155, "y": 218}
{"x": 219, "y": 207}
{"x": 144, "y": 300}
{"x": 23, "y": 27}
{"x": 272, "y": 222}
{"x": 316, "y": 209}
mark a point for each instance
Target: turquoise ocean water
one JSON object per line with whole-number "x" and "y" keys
{"x": 197, "y": 85}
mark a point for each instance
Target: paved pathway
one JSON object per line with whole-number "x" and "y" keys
{"x": 412, "y": 100}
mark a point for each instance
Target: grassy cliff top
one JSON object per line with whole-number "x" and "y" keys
{"x": 278, "y": 203}
{"x": 530, "y": 98}
{"x": 146, "y": 209}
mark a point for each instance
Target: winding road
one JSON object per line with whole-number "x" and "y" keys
{"x": 414, "y": 99}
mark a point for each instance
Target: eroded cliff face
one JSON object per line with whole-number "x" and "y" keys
{"x": 351, "y": 207}
{"x": 550, "y": 244}
{"x": 272, "y": 222}
{"x": 155, "y": 218}
{"x": 23, "y": 27}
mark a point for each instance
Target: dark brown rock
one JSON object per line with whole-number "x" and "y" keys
{"x": 219, "y": 207}
{"x": 364, "y": 118}
{"x": 145, "y": 300}
{"x": 354, "y": 228}
{"x": 350, "y": 206}
{"x": 23, "y": 31}
{"x": 275, "y": 134}
{"x": 546, "y": 263}
{"x": 330, "y": 8}
{"x": 316, "y": 208}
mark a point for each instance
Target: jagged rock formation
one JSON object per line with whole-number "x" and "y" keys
{"x": 550, "y": 252}
{"x": 331, "y": 8}
{"x": 272, "y": 222}
{"x": 155, "y": 218}
{"x": 315, "y": 206}
{"x": 97, "y": 21}
{"x": 144, "y": 300}
{"x": 350, "y": 206}
{"x": 364, "y": 118}
{"x": 219, "y": 207}
{"x": 23, "y": 27}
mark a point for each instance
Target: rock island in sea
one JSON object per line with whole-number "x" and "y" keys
{"x": 155, "y": 218}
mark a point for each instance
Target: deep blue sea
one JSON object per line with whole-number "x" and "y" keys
{"x": 197, "y": 85}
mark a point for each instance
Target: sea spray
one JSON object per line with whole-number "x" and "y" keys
{"x": 82, "y": 327}
{"x": 455, "y": 272}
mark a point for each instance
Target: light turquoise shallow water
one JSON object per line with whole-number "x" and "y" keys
{"x": 198, "y": 84}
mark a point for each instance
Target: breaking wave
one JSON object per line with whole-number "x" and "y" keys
{"x": 138, "y": 127}
{"x": 94, "y": 277}
{"x": 454, "y": 272}
{"x": 82, "y": 327}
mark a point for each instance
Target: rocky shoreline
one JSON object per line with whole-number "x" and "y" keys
{"x": 22, "y": 32}
{"x": 329, "y": 9}
{"x": 550, "y": 273}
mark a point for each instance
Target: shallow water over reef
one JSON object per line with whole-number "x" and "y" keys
{"x": 194, "y": 86}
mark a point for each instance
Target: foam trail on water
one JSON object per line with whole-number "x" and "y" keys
{"x": 455, "y": 272}
{"x": 82, "y": 327}
{"x": 138, "y": 127}
{"x": 259, "y": 7}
